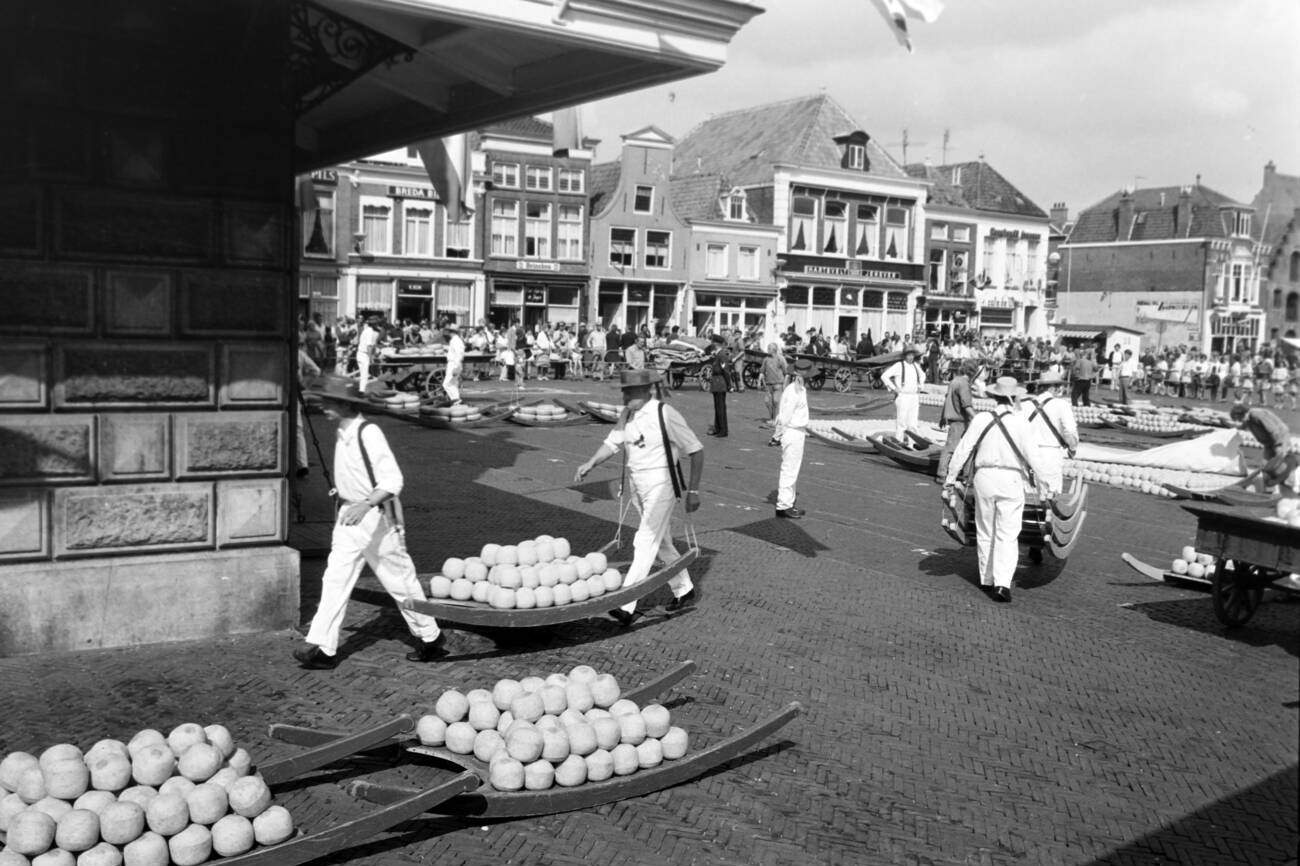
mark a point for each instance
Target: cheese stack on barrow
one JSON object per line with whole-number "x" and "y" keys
{"x": 540, "y": 572}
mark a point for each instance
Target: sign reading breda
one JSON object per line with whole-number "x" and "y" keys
{"x": 853, "y": 269}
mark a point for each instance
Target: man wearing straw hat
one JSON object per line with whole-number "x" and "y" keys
{"x": 367, "y": 530}
{"x": 653, "y": 436}
{"x": 904, "y": 378}
{"x": 791, "y": 431}
{"x": 1052, "y": 423}
{"x": 455, "y": 361}
{"x": 1000, "y": 448}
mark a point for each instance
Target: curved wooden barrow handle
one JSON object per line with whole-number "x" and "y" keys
{"x": 304, "y": 849}
{"x": 328, "y": 751}
{"x": 488, "y": 803}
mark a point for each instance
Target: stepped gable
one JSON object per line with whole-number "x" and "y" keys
{"x": 743, "y": 145}
{"x": 1154, "y": 216}
{"x": 697, "y": 196}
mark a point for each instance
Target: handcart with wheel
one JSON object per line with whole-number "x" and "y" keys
{"x": 1253, "y": 549}
{"x": 480, "y": 800}
{"x": 1048, "y": 524}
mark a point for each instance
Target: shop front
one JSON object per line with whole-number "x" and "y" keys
{"x": 848, "y": 297}
{"x": 714, "y": 307}
{"x": 630, "y": 305}
{"x": 945, "y": 317}
{"x": 1236, "y": 332}
{"x": 535, "y": 301}
{"x": 454, "y": 296}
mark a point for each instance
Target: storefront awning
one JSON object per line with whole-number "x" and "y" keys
{"x": 372, "y": 75}
{"x": 734, "y": 289}
{"x": 1079, "y": 333}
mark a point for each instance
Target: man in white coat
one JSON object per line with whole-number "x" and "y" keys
{"x": 367, "y": 340}
{"x": 455, "y": 361}
{"x": 1005, "y": 459}
{"x": 904, "y": 378}
{"x": 367, "y": 531}
{"x": 654, "y": 436}
{"x": 1055, "y": 432}
{"x": 791, "y": 432}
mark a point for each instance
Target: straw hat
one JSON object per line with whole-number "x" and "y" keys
{"x": 638, "y": 379}
{"x": 1005, "y": 386}
{"x": 1051, "y": 377}
{"x": 804, "y": 368}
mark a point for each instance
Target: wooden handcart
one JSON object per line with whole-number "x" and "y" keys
{"x": 1048, "y": 525}
{"x": 1253, "y": 549}
{"x": 420, "y": 374}
{"x": 482, "y": 801}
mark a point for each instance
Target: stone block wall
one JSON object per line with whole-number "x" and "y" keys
{"x": 146, "y": 345}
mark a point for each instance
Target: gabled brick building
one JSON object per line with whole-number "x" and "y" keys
{"x": 1277, "y": 215}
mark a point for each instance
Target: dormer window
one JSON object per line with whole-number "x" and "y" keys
{"x": 1241, "y": 223}
{"x": 857, "y": 157}
{"x": 956, "y": 175}
{"x": 736, "y": 206}
{"x": 853, "y": 151}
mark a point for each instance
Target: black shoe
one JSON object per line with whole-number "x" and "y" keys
{"x": 315, "y": 659}
{"x": 1001, "y": 593}
{"x": 722, "y": 435}
{"x": 428, "y": 651}
{"x": 790, "y": 513}
{"x": 624, "y": 618}
{"x": 678, "y": 603}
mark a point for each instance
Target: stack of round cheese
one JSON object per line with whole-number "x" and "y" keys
{"x": 459, "y": 414}
{"x": 607, "y": 408}
{"x": 1194, "y": 564}
{"x": 155, "y": 800}
{"x": 540, "y": 572}
{"x": 564, "y": 729}
{"x": 543, "y": 412}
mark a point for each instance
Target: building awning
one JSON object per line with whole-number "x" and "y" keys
{"x": 733, "y": 289}
{"x": 373, "y": 75}
{"x": 1079, "y": 333}
{"x": 1290, "y": 341}
{"x": 949, "y": 301}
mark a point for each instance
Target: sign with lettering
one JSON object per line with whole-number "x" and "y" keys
{"x": 412, "y": 192}
{"x": 523, "y": 265}
{"x": 423, "y": 288}
{"x": 325, "y": 175}
{"x": 854, "y": 269}
{"x": 535, "y": 296}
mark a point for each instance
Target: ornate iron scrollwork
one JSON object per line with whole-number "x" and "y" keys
{"x": 328, "y": 51}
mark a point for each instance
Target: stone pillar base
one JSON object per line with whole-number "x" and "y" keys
{"x": 133, "y": 600}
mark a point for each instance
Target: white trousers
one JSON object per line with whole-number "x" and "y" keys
{"x": 363, "y": 367}
{"x": 792, "y": 442}
{"x": 999, "y": 510}
{"x": 371, "y": 542}
{"x": 655, "y": 501}
{"x": 300, "y": 441}
{"x": 451, "y": 384}
{"x": 1052, "y": 474}
{"x": 907, "y": 413}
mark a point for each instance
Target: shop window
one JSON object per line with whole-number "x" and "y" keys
{"x": 796, "y": 295}
{"x": 376, "y": 222}
{"x": 537, "y": 178}
{"x": 569, "y": 232}
{"x": 938, "y": 231}
{"x": 896, "y": 301}
{"x": 1294, "y": 273}
{"x": 459, "y": 238}
{"x": 417, "y": 231}
{"x": 537, "y": 230}
{"x": 997, "y": 316}
{"x": 562, "y": 296}
{"x": 823, "y": 296}
{"x": 836, "y": 227}
{"x": 318, "y": 229}
{"x": 657, "y": 249}
{"x": 453, "y": 300}
{"x": 896, "y": 222}
{"x": 643, "y": 200}
{"x": 572, "y": 180}
{"x": 505, "y": 174}
{"x": 961, "y": 234}
{"x": 622, "y": 247}
{"x": 1292, "y": 306}
{"x": 747, "y": 263}
{"x": 873, "y": 300}
{"x": 374, "y": 295}
{"x": 803, "y": 229}
{"x": 866, "y": 231}
{"x": 505, "y": 227}
{"x": 715, "y": 261}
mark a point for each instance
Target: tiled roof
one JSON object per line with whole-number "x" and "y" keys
{"x": 1154, "y": 217}
{"x": 526, "y": 126}
{"x": 743, "y": 145}
{"x": 695, "y": 196}
{"x": 942, "y": 192}
{"x": 1275, "y": 205}
{"x": 982, "y": 187}
{"x": 603, "y": 181}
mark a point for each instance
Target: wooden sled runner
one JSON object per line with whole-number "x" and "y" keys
{"x": 1053, "y": 525}
{"x": 598, "y": 413}
{"x": 569, "y": 419}
{"x": 481, "y": 801}
{"x": 481, "y": 614}
{"x": 1163, "y": 575}
{"x": 305, "y": 848}
{"x": 490, "y": 415}
{"x": 919, "y": 461}
{"x": 844, "y": 441}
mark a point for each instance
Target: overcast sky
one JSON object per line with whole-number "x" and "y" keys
{"x": 1070, "y": 99}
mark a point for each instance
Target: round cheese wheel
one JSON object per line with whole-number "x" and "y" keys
{"x": 506, "y": 774}
{"x": 191, "y": 846}
{"x": 178, "y": 785}
{"x": 153, "y": 765}
{"x": 504, "y": 692}
{"x": 13, "y": 766}
{"x": 460, "y": 738}
{"x": 273, "y": 826}
{"x": 583, "y": 674}
{"x": 249, "y": 796}
{"x": 232, "y": 836}
{"x": 120, "y": 823}
{"x": 605, "y": 690}
{"x": 219, "y": 736}
{"x": 431, "y": 730}
{"x": 625, "y": 759}
{"x": 572, "y": 772}
{"x": 451, "y": 706}
{"x": 487, "y": 744}
{"x": 524, "y": 744}
{"x": 631, "y": 729}
{"x": 539, "y": 775}
{"x": 656, "y": 719}
{"x": 55, "y": 857}
{"x": 30, "y": 833}
{"x": 528, "y": 706}
{"x": 483, "y": 715}
{"x": 480, "y": 591}
{"x": 167, "y": 814}
{"x": 562, "y": 595}
{"x": 600, "y": 765}
{"x": 138, "y": 794}
{"x": 582, "y": 738}
{"x": 207, "y": 803}
{"x": 649, "y": 754}
{"x": 525, "y": 598}
{"x": 185, "y": 735}
{"x": 200, "y": 762}
{"x": 673, "y": 744}
{"x": 476, "y": 571}
{"x": 555, "y": 745}
{"x": 608, "y": 732}
{"x": 440, "y": 586}
{"x": 102, "y": 854}
{"x": 578, "y": 696}
{"x": 95, "y": 801}
{"x": 595, "y": 585}
{"x": 110, "y": 772}
{"x": 544, "y": 596}
{"x": 462, "y": 589}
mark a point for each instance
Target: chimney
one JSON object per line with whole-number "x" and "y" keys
{"x": 1124, "y": 216}
{"x": 1270, "y": 169}
{"x": 1060, "y": 214}
{"x": 1183, "y": 215}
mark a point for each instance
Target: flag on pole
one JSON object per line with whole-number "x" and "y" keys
{"x": 446, "y": 161}
{"x": 566, "y": 130}
{"x": 896, "y": 13}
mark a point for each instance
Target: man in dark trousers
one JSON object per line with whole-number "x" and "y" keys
{"x": 1082, "y": 373}
{"x": 719, "y": 379}
{"x": 1280, "y": 457}
{"x": 958, "y": 409}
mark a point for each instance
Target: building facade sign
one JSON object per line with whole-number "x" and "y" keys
{"x": 854, "y": 269}
{"x": 325, "y": 175}
{"x": 412, "y": 192}
{"x": 524, "y": 265}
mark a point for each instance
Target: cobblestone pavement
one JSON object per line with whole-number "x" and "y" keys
{"x": 1099, "y": 718}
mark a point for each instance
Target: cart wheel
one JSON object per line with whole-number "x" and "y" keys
{"x": 751, "y": 376}
{"x": 433, "y": 389}
{"x": 817, "y": 382}
{"x": 704, "y": 379}
{"x": 843, "y": 379}
{"x": 1237, "y": 592}
{"x": 874, "y": 380}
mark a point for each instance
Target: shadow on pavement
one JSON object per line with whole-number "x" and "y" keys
{"x": 1274, "y": 623}
{"x": 783, "y": 533}
{"x": 952, "y": 562}
{"x": 1269, "y": 805}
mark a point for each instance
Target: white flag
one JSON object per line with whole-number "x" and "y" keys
{"x": 566, "y": 130}
{"x": 446, "y": 161}
{"x": 896, "y": 13}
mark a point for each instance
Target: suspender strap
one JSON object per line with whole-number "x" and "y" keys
{"x": 1039, "y": 413}
{"x": 393, "y": 506}
{"x": 969, "y": 469}
{"x": 674, "y": 470}
{"x": 1024, "y": 464}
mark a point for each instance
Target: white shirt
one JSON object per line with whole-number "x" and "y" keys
{"x": 644, "y": 440}
{"x": 903, "y": 377}
{"x": 366, "y": 342}
{"x": 793, "y": 411}
{"x": 1128, "y": 367}
{"x": 350, "y": 476}
{"x": 1058, "y": 410}
{"x": 596, "y": 340}
{"x": 455, "y": 353}
{"x": 995, "y": 450}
